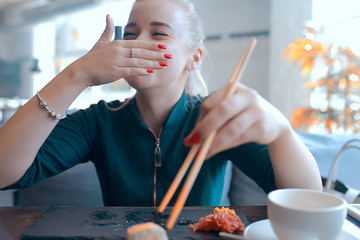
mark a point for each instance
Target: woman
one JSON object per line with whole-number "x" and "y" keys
{"x": 161, "y": 50}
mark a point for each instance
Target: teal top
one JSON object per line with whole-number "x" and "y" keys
{"x": 122, "y": 149}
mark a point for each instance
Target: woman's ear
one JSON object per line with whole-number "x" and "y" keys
{"x": 196, "y": 59}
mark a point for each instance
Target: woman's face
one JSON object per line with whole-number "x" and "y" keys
{"x": 160, "y": 21}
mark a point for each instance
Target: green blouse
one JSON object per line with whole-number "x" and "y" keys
{"x": 122, "y": 149}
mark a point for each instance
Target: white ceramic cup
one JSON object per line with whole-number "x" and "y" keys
{"x": 301, "y": 214}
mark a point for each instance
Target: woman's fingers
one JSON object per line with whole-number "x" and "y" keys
{"x": 147, "y": 54}
{"x": 110, "y": 60}
{"x": 211, "y": 101}
{"x": 241, "y": 118}
{"x": 132, "y": 72}
{"x": 109, "y": 29}
{"x": 132, "y": 48}
{"x": 137, "y": 53}
{"x": 108, "y": 32}
{"x": 217, "y": 111}
{"x": 237, "y": 131}
{"x": 155, "y": 46}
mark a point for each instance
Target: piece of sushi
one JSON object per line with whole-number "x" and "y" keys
{"x": 146, "y": 231}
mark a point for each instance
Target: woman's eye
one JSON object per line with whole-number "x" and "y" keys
{"x": 127, "y": 34}
{"x": 160, "y": 34}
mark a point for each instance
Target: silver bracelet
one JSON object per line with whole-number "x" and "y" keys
{"x": 52, "y": 114}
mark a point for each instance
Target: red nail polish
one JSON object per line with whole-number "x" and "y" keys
{"x": 162, "y": 46}
{"x": 163, "y": 64}
{"x": 193, "y": 139}
{"x": 168, "y": 56}
{"x": 186, "y": 142}
{"x": 150, "y": 71}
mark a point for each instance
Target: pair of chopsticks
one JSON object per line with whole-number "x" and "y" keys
{"x": 202, "y": 151}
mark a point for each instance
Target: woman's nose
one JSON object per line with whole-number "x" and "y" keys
{"x": 144, "y": 36}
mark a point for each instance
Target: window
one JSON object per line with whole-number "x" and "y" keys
{"x": 340, "y": 20}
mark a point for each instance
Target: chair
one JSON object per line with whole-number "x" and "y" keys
{"x": 78, "y": 186}
{"x": 332, "y": 185}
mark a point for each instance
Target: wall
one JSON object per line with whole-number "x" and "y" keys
{"x": 223, "y": 18}
{"x": 286, "y": 86}
{"x": 268, "y": 72}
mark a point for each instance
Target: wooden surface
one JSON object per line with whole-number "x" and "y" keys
{"x": 16, "y": 221}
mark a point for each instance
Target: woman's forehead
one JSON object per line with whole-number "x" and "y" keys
{"x": 165, "y": 11}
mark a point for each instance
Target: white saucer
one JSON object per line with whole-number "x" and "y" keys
{"x": 262, "y": 230}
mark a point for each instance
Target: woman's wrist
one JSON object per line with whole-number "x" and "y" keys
{"x": 75, "y": 76}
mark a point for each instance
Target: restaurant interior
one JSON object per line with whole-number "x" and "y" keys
{"x": 297, "y": 40}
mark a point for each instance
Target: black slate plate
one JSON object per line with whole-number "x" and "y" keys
{"x": 73, "y": 223}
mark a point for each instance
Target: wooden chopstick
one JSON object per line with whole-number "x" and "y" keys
{"x": 190, "y": 180}
{"x": 235, "y": 75}
{"x": 179, "y": 176}
{"x": 204, "y": 149}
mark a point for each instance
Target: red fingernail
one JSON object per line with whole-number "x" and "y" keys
{"x": 163, "y": 64}
{"x": 168, "y": 56}
{"x": 187, "y": 142}
{"x": 193, "y": 139}
{"x": 162, "y": 46}
{"x": 150, "y": 71}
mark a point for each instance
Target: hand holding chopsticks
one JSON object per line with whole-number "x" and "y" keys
{"x": 200, "y": 150}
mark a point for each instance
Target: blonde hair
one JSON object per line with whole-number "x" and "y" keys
{"x": 195, "y": 83}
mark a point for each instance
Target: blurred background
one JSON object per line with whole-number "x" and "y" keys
{"x": 39, "y": 38}
{"x": 305, "y": 63}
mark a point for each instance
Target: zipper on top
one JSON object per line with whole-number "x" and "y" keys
{"x": 157, "y": 160}
{"x": 157, "y": 153}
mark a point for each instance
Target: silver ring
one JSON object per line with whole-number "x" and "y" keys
{"x": 132, "y": 52}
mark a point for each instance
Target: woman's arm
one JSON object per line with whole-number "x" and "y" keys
{"x": 23, "y": 134}
{"x": 247, "y": 117}
{"x": 293, "y": 164}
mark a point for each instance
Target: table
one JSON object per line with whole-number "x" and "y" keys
{"x": 14, "y": 221}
